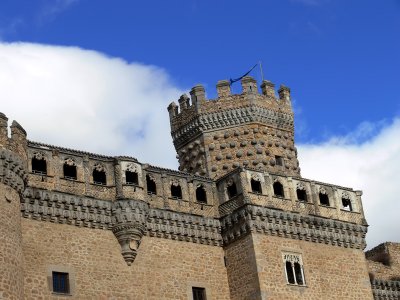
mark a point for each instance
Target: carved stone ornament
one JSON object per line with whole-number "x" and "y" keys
{"x": 129, "y": 236}
{"x": 39, "y": 155}
{"x": 346, "y": 195}
{"x": 69, "y": 162}
{"x": 99, "y": 167}
{"x": 300, "y": 186}
{"x": 255, "y": 176}
{"x": 322, "y": 191}
{"x": 175, "y": 182}
{"x": 132, "y": 168}
{"x": 229, "y": 182}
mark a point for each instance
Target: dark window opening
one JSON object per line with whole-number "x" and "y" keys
{"x": 299, "y": 274}
{"x": 289, "y": 273}
{"x": 346, "y": 204}
{"x": 201, "y": 195}
{"x": 131, "y": 177}
{"x": 99, "y": 177}
{"x": 278, "y": 189}
{"x": 199, "y": 293}
{"x": 279, "y": 160}
{"x": 301, "y": 195}
{"x": 151, "y": 186}
{"x": 232, "y": 191}
{"x": 176, "y": 191}
{"x": 60, "y": 283}
{"x": 324, "y": 199}
{"x": 256, "y": 186}
{"x": 39, "y": 166}
{"x": 70, "y": 172}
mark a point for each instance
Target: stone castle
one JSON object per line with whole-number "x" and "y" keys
{"x": 237, "y": 221}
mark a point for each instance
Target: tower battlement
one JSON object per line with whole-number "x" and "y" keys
{"x": 252, "y": 129}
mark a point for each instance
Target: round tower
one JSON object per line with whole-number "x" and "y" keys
{"x": 13, "y": 176}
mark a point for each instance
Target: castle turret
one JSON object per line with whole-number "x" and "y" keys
{"x": 13, "y": 178}
{"x": 248, "y": 129}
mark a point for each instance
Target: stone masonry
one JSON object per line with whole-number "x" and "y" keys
{"x": 237, "y": 221}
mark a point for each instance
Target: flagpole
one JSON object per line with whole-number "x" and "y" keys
{"x": 262, "y": 75}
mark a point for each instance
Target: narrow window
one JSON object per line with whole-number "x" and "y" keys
{"x": 201, "y": 195}
{"x": 232, "y": 191}
{"x": 279, "y": 160}
{"x": 298, "y": 273}
{"x": 324, "y": 199}
{"x": 131, "y": 177}
{"x": 176, "y": 191}
{"x": 69, "y": 171}
{"x": 199, "y": 293}
{"x": 278, "y": 189}
{"x": 256, "y": 186}
{"x": 346, "y": 204}
{"x": 289, "y": 272}
{"x": 151, "y": 186}
{"x": 99, "y": 177}
{"x": 301, "y": 195}
{"x": 39, "y": 166}
{"x": 60, "y": 283}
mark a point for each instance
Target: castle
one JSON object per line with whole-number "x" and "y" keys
{"x": 237, "y": 221}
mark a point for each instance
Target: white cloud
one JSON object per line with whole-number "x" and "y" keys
{"x": 85, "y": 100}
{"x": 372, "y": 166}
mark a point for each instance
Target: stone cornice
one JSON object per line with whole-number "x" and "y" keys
{"x": 231, "y": 117}
{"x": 385, "y": 290}
{"x": 256, "y": 219}
{"x": 12, "y": 170}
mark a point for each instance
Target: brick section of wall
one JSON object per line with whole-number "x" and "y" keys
{"x": 163, "y": 269}
{"x": 330, "y": 272}
{"x": 11, "y": 260}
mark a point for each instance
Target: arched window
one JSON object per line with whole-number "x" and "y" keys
{"x": 231, "y": 189}
{"x": 176, "y": 191}
{"x": 289, "y": 272}
{"x": 131, "y": 177}
{"x": 301, "y": 195}
{"x": 39, "y": 165}
{"x": 151, "y": 185}
{"x": 278, "y": 189}
{"x": 69, "y": 169}
{"x": 323, "y": 199}
{"x": 346, "y": 202}
{"x": 201, "y": 195}
{"x": 294, "y": 268}
{"x": 99, "y": 175}
{"x": 255, "y": 186}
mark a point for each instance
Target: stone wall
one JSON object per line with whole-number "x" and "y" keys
{"x": 163, "y": 269}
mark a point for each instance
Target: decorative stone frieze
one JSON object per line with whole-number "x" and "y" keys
{"x": 12, "y": 170}
{"x": 385, "y": 289}
{"x": 256, "y": 219}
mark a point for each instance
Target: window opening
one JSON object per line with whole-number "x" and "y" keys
{"x": 131, "y": 177}
{"x": 39, "y": 166}
{"x": 294, "y": 269}
{"x": 298, "y": 273}
{"x": 346, "y": 204}
{"x": 99, "y": 177}
{"x": 69, "y": 171}
{"x": 279, "y": 160}
{"x": 60, "y": 283}
{"x": 289, "y": 272}
{"x": 323, "y": 199}
{"x": 201, "y": 195}
{"x": 232, "y": 191}
{"x": 278, "y": 189}
{"x": 301, "y": 195}
{"x": 199, "y": 293}
{"x": 256, "y": 186}
{"x": 176, "y": 191}
{"x": 151, "y": 186}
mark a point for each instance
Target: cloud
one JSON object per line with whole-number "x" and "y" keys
{"x": 85, "y": 100}
{"x": 372, "y": 166}
{"x": 52, "y": 8}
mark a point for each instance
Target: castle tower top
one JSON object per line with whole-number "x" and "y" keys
{"x": 251, "y": 129}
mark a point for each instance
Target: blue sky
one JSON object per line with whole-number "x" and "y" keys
{"x": 98, "y": 76}
{"x": 340, "y": 58}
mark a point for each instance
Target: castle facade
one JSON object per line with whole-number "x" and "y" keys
{"x": 237, "y": 221}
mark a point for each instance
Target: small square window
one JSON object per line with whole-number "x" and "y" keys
{"x": 60, "y": 282}
{"x": 279, "y": 160}
{"x": 199, "y": 293}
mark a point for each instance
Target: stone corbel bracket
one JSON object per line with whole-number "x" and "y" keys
{"x": 129, "y": 219}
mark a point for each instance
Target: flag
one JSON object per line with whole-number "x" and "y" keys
{"x": 237, "y": 79}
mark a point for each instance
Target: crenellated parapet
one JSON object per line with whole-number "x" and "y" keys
{"x": 253, "y": 128}
{"x": 385, "y": 290}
